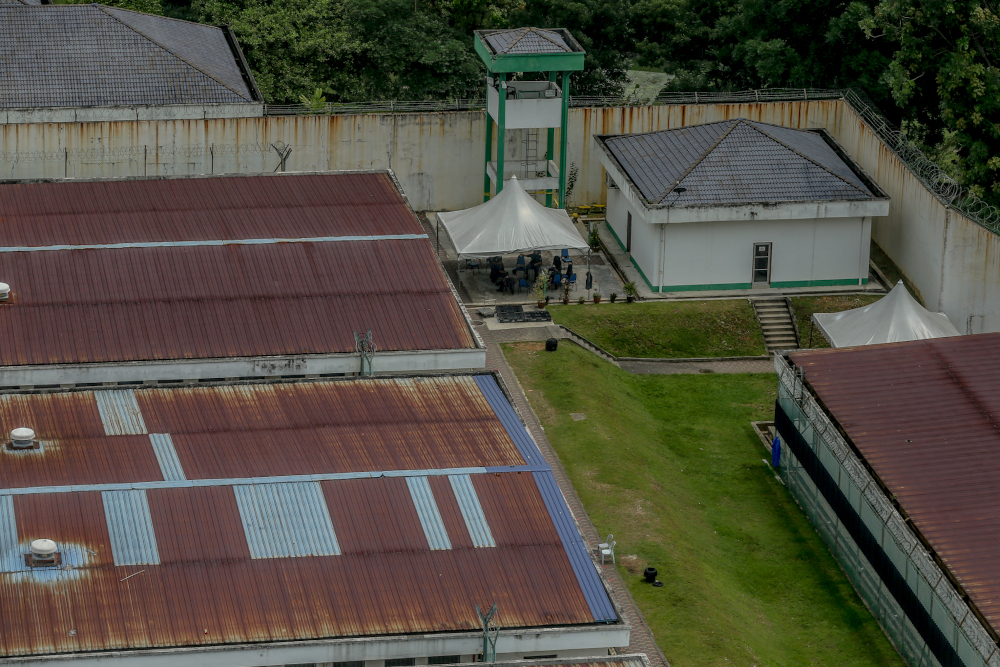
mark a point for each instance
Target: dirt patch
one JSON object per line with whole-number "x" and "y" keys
{"x": 632, "y": 563}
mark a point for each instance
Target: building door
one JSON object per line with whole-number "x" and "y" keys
{"x": 628, "y": 233}
{"x": 761, "y": 264}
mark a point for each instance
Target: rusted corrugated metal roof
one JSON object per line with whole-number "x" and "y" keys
{"x": 78, "y": 305}
{"x": 203, "y": 209}
{"x": 925, "y": 416}
{"x": 239, "y": 431}
{"x": 301, "y": 521}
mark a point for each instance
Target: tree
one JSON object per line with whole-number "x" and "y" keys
{"x": 604, "y": 30}
{"x": 944, "y": 71}
{"x": 739, "y": 44}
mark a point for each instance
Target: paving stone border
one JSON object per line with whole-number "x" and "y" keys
{"x": 641, "y": 637}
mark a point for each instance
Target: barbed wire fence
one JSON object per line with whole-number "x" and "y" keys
{"x": 227, "y": 158}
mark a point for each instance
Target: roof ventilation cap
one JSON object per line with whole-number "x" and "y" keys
{"x": 22, "y": 438}
{"x": 4, "y": 291}
{"x": 43, "y": 549}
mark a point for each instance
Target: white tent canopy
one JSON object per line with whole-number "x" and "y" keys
{"x": 510, "y": 222}
{"x": 894, "y": 318}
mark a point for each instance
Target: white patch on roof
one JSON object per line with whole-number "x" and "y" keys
{"x": 472, "y": 511}
{"x": 427, "y": 510}
{"x": 120, "y": 412}
{"x": 130, "y": 527}
{"x": 286, "y": 520}
{"x": 166, "y": 456}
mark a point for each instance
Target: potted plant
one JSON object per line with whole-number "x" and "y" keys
{"x": 631, "y": 291}
{"x": 582, "y": 300}
{"x": 614, "y": 295}
{"x": 595, "y": 240}
{"x": 539, "y": 291}
{"x": 597, "y": 296}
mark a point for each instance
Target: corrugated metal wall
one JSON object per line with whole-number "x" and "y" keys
{"x": 438, "y": 158}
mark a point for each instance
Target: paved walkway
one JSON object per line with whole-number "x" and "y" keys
{"x": 658, "y": 367}
{"x": 639, "y": 366}
{"x": 641, "y": 638}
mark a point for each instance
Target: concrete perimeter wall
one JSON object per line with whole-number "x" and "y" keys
{"x": 438, "y": 158}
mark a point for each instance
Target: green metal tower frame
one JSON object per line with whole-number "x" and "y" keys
{"x": 558, "y": 66}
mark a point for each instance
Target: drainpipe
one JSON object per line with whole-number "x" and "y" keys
{"x": 501, "y": 129}
{"x": 489, "y": 145}
{"x": 663, "y": 245}
{"x": 550, "y": 150}
{"x": 563, "y": 140}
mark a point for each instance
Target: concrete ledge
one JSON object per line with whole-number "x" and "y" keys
{"x": 238, "y": 367}
{"x": 549, "y": 639}
{"x": 114, "y": 114}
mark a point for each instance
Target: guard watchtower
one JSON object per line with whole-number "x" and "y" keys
{"x": 528, "y": 106}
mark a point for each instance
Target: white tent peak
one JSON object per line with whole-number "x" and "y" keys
{"x": 510, "y": 222}
{"x": 894, "y": 318}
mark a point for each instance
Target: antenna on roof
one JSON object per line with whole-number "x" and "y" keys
{"x": 367, "y": 348}
{"x": 491, "y": 628}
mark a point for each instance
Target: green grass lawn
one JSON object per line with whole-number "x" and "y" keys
{"x": 667, "y": 329}
{"x": 805, "y": 306}
{"x": 671, "y": 466}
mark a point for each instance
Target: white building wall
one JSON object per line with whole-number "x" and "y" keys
{"x": 645, "y": 237}
{"x": 805, "y": 253}
{"x": 438, "y": 158}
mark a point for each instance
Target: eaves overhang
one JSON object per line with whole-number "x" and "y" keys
{"x": 531, "y": 62}
{"x": 877, "y": 205}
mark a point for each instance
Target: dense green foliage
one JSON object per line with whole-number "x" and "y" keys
{"x": 670, "y": 465}
{"x": 929, "y": 64}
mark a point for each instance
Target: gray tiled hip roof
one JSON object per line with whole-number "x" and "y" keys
{"x": 735, "y": 161}
{"x": 526, "y": 40}
{"x": 91, "y": 55}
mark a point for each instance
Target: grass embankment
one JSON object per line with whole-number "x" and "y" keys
{"x": 805, "y": 306}
{"x": 891, "y": 271}
{"x": 676, "y": 329}
{"x": 671, "y": 466}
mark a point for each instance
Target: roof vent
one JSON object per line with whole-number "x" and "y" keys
{"x": 43, "y": 552}
{"x": 22, "y": 438}
{"x": 4, "y": 291}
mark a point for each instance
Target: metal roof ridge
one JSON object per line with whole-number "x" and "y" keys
{"x": 806, "y": 157}
{"x": 276, "y": 479}
{"x": 708, "y": 150}
{"x": 104, "y": 8}
{"x": 538, "y": 31}
{"x": 215, "y": 242}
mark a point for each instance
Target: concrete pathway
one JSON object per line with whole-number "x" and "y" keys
{"x": 531, "y": 333}
{"x": 641, "y": 638}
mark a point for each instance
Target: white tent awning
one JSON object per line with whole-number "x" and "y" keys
{"x": 510, "y": 222}
{"x": 894, "y": 318}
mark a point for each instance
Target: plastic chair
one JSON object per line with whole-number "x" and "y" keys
{"x": 572, "y": 281}
{"x": 520, "y": 260}
{"x": 522, "y": 283}
{"x": 565, "y": 254}
{"x": 472, "y": 264}
{"x": 556, "y": 280}
{"x": 610, "y": 551}
{"x": 604, "y": 545}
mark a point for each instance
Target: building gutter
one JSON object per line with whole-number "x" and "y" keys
{"x": 527, "y": 640}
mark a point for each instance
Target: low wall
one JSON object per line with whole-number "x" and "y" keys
{"x": 438, "y": 158}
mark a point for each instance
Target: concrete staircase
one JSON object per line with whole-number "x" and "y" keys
{"x": 776, "y": 323}
{"x": 569, "y": 334}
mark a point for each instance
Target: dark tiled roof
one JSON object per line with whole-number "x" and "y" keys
{"x": 20, "y": 3}
{"x": 735, "y": 161}
{"x": 91, "y": 55}
{"x": 526, "y": 40}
